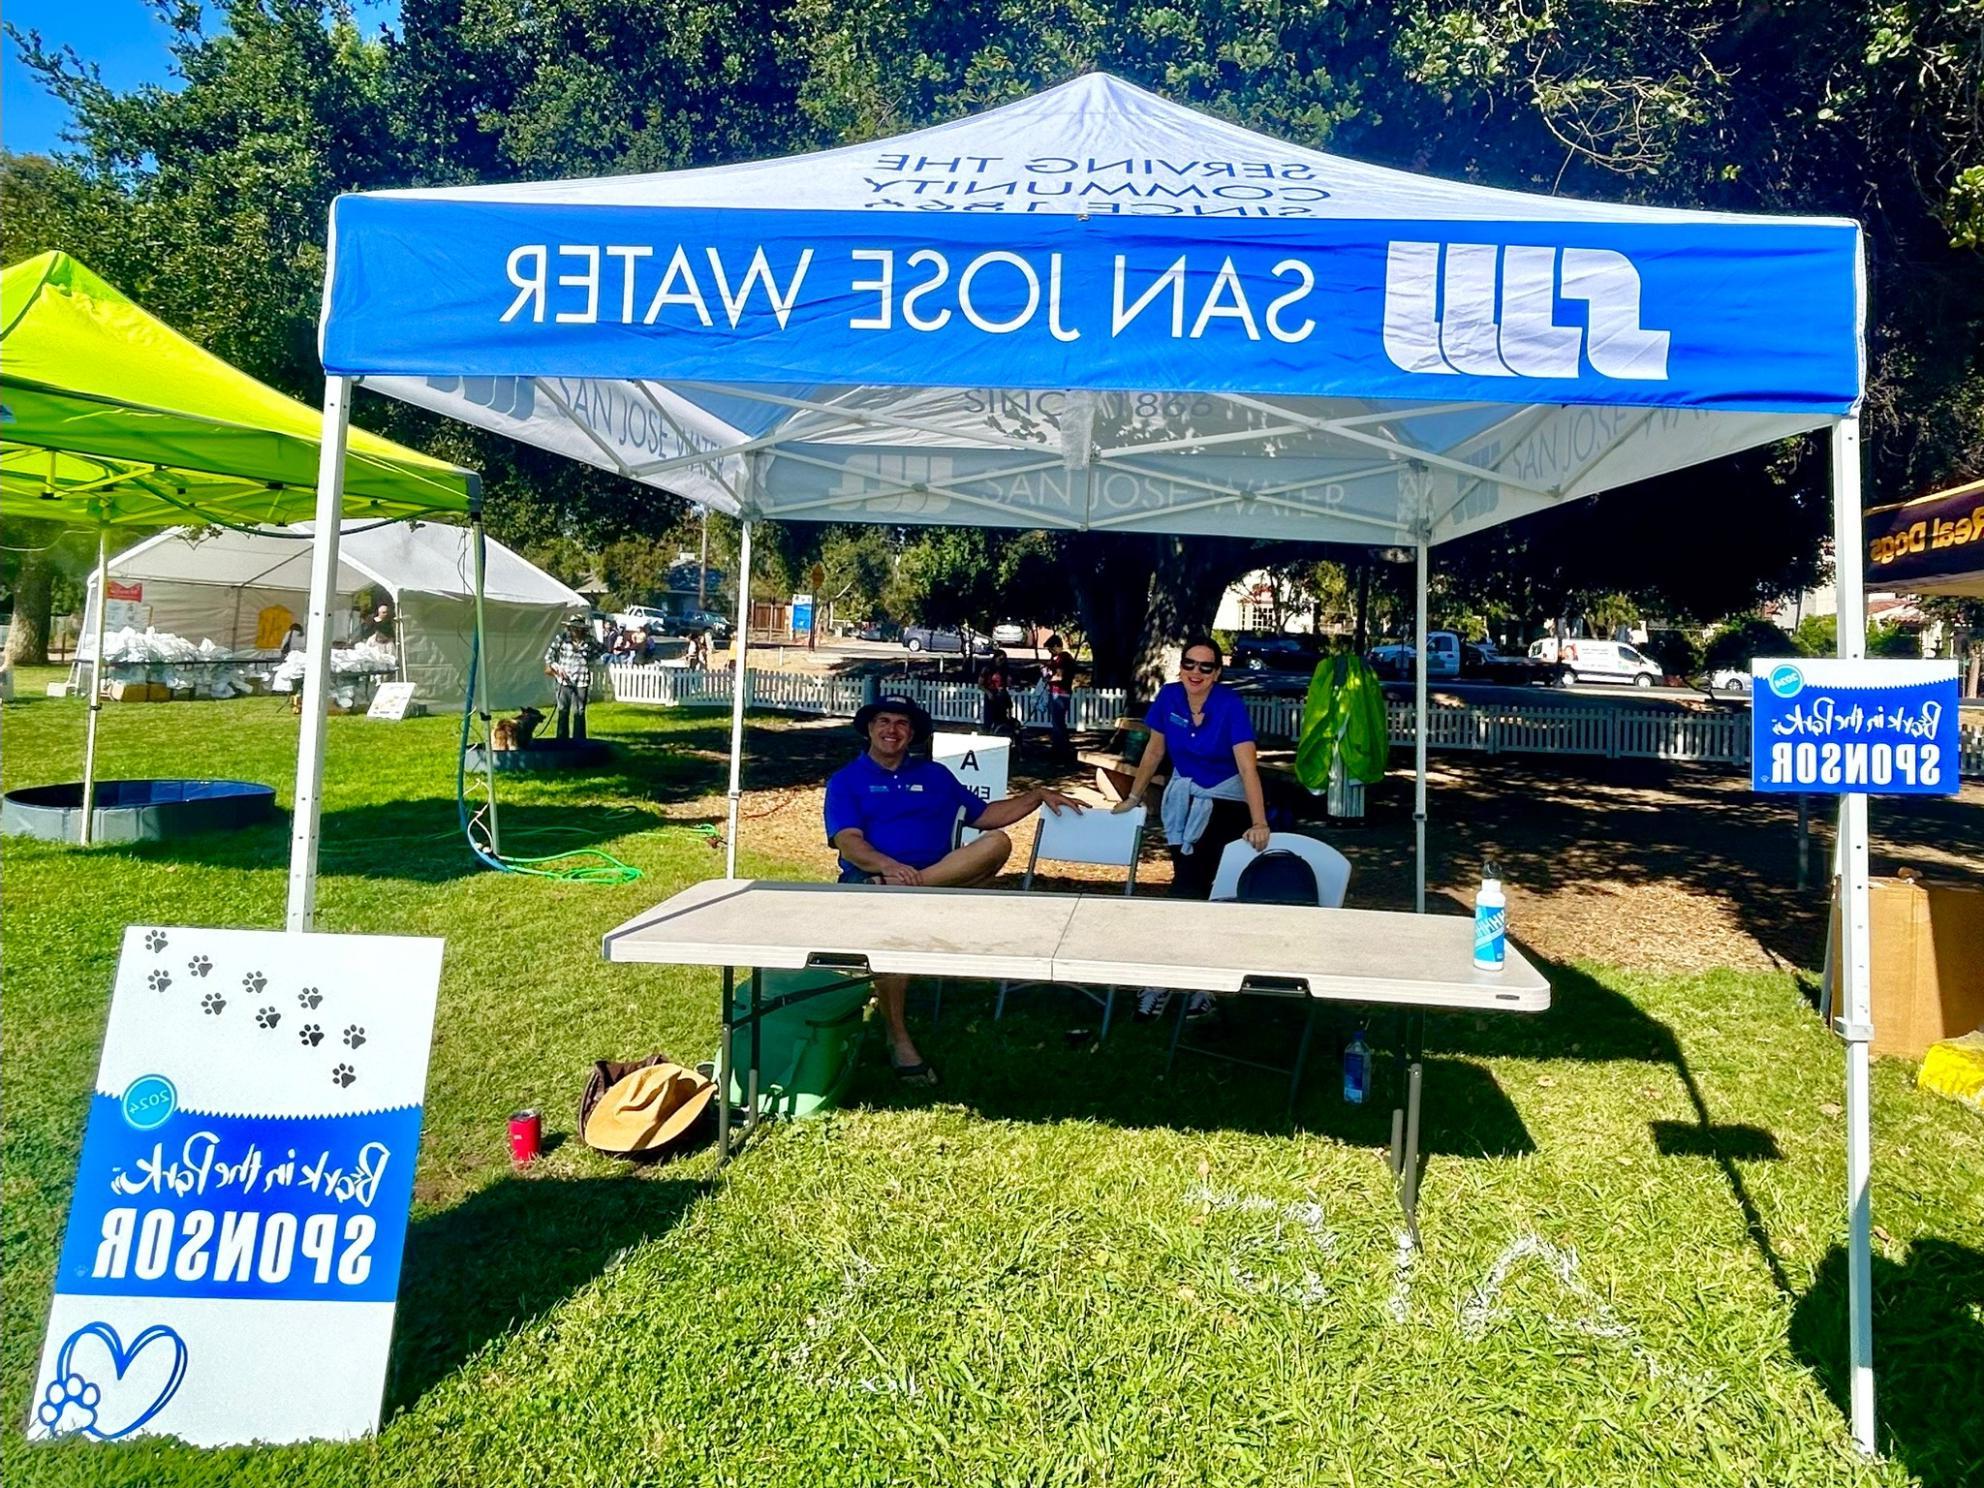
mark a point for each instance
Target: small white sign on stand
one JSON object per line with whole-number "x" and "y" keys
{"x": 232, "y": 1261}
{"x": 391, "y": 701}
{"x": 125, "y": 614}
{"x": 980, "y": 761}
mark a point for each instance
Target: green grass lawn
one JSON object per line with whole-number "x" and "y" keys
{"x": 1057, "y": 1270}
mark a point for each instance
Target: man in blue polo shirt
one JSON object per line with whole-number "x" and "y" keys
{"x": 892, "y": 818}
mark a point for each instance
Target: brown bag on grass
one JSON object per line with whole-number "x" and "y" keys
{"x": 647, "y": 1110}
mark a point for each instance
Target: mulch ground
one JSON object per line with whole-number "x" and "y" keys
{"x": 1619, "y": 863}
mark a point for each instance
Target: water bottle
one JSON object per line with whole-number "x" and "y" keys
{"x": 1356, "y": 1069}
{"x": 1491, "y": 922}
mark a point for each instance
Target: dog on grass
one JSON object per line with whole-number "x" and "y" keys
{"x": 515, "y": 733}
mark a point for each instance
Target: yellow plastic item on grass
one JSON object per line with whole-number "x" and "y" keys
{"x": 1955, "y": 1068}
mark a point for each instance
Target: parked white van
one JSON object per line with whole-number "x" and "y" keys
{"x": 1584, "y": 660}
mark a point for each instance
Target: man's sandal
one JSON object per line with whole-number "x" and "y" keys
{"x": 919, "y": 1073}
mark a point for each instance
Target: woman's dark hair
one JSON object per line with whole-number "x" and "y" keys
{"x": 1194, "y": 643}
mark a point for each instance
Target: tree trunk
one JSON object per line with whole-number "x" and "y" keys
{"x": 27, "y": 641}
{"x": 1191, "y": 574}
{"x": 1361, "y": 638}
{"x": 1111, "y": 580}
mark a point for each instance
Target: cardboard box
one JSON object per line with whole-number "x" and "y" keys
{"x": 1928, "y": 962}
{"x": 128, "y": 692}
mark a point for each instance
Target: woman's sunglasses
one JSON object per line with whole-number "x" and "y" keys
{"x": 1198, "y": 666}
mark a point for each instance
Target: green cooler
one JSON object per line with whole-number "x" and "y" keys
{"x": 808, "y": 1049}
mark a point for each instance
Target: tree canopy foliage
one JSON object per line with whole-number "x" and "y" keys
{"x": 208, "y": 201}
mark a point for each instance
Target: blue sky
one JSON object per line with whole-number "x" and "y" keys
{"x": 124, "y": 37}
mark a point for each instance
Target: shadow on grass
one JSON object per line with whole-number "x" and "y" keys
{"x": 1025, "y": 1068}
{"x": 1928, "y": 1354}
{"x": 510, "y": 1253}
{"x": 1589, "y": 1020}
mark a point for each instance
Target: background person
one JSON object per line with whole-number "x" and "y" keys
{"x": 1060, "y": 670}
{"x": 996, "y": 682}
{"x": 891, "y": 817}
{"x": 568, "y": 663}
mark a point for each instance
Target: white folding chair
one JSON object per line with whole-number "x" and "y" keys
{"x": 1332, "y": 871}
{"x": 1110, "y": 839}
{"x": 1332, "y": 868}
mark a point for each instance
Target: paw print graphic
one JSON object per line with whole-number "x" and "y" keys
{"x": 213, "y": 1002}
{"x": 343, "y": 1075}
{"x": 158, "y": 981}
{"x": 200, "y": 965}
{"x": 311, "y": 1034}
{"x": 354, "y": 1036}
{"x": 310, "y": 997}
{"x": 267, "y": 1017}
{"x": 253, "y": 983}
{"x": 68, "y": 1405}
{"x": 154, "y": 941}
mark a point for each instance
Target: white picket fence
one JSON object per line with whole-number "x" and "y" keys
{"x": 840, "y": 697}
{"x": 1621, "y": 730}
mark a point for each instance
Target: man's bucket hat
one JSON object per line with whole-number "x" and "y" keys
{"x": 919, "y": 721}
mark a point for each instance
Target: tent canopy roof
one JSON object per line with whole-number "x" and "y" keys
{"x": 1097, "y": 309}
{"x": 111, "y": 417}
{"x": 403, "y": 558}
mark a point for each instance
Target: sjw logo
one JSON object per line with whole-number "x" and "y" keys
{"x": 512, "y": 397}
{"x": 1427, "y": 330}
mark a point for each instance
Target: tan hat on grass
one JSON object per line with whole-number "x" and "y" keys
{"x": 648, "y": 1111}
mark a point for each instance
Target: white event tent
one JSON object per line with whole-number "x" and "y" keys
{"x": 216, "y": 584}
{"x": 1097, "y": 310}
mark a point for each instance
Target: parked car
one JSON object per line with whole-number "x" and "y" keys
{"x": 1581, "y": 660}
{"x": 943, "y": 640}
{"x": 1483, "y": 663}
{"x": 644, "y": 617}
{"x": 718, "y": 627}
{"x": 1011, "y": 633}
{"x": 877, "y": 630}
{"x": 1729, "y": 679}
{"x": 1400, "y": 658}
{"x": 1275, "y": 653}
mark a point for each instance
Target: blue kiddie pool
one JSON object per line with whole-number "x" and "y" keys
{"x": 135, "y": 810}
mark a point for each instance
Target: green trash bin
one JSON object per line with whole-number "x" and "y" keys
{"x": 807, "y": 1050}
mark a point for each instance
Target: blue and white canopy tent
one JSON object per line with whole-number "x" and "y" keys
{"x": 1097, "y": 310}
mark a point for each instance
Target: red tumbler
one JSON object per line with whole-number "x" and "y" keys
{"x": 526, "y": 1133}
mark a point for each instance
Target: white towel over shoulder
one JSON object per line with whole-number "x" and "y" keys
{"x": 1187, "y": 807}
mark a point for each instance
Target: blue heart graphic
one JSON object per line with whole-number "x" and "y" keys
{"x": 121, "y": 1359}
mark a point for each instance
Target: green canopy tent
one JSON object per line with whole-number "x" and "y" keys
{"x": 110, "y": 418}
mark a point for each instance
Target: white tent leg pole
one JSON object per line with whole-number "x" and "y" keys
{"x": 1851, "y": 1000}
{"x": 317, "y": 640}
{"x": 96, "y": 686}
{"x": 737, "y": 701}
{"x": 1419, "y": 739}
{"x": 482, "y": 681}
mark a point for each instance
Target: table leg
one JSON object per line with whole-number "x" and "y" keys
{"x": 1301, "y": 1055}
{"x": 1177, "y": 1032}
{"x": 1396, "y": 1157}
{"x": 723, "y": 1072}
{"x": 1409, "y": 1174}
{"x": 751, "y": 1086}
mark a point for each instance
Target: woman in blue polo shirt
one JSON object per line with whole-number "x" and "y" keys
{"x": 1215, "y": 796}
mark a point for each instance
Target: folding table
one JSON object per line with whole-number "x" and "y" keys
{"x": 1365, "y": 956}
